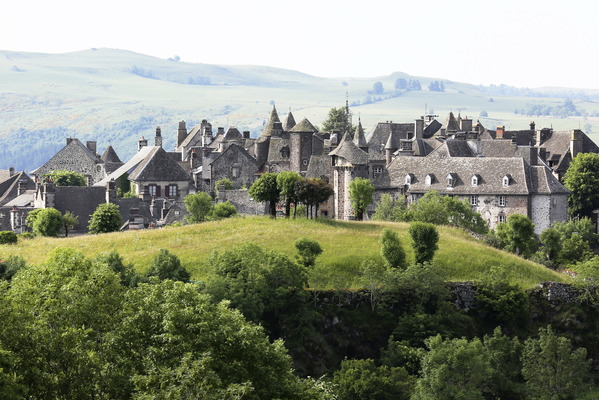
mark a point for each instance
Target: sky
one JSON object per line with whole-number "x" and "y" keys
{"x": 525, "y": 43}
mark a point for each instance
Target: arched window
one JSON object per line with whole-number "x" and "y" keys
{"x": 428, "y": 180}
{"x": 506, "y": 180}
{"x": 474, "y": 180}
{"x": 285, "y": 152}
{"x": 408, "y": 179}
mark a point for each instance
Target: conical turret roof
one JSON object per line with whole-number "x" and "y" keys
{"x": 274, "y": 117}
{"x": 110, "y": 155}
{"x": 359, "y": 138}
{"x": 304, "y": 126}
{"x": 289, "y": 122}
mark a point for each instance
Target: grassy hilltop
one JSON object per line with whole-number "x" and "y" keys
{"x": 345, "y": 244}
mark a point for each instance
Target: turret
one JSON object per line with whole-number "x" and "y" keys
{"x": 158, "y": 138}
{"x": 181, "y": 133}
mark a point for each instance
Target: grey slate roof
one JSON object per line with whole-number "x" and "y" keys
{"x": 304, "y": 126}
{"x": 110, "y": 155}
{"x": 348, "y": 150}
{"x": 491, "y": 172}
{"x": 9, "y": 187}
{"x": 73, "y": 149}
{"x": 274, "y": 149}
{"x": 129, "y": 166}
{"x": 233, "y": 134}
{"x": 379, "y": 137}
{"x": 158, "y": 166}
{"x": 359, "y": 137}
{"x": 274, "y": 117}
{"x": 289, "y": 122}
{"x": 451, "y": 123}
{"x": 319, "y": 166}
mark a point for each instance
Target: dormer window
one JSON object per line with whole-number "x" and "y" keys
{"x": 285, "y": 152}
{"x": 506, "y": 180}
{"x": 408, "y": 179}
{"x": 451, "y": 180}
{"x": 475, "y": 180}
{"x": 428, "y": 179}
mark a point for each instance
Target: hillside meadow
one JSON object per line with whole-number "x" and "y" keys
{"x": 346, "y": 244}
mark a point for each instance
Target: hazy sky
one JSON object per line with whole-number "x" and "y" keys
{"x": 518, "y": 42}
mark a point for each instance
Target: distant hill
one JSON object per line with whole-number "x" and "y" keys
{"x": 116, "y": 96}
{"x": 346, "y": 244}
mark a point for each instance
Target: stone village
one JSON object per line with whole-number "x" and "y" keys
{"x": 498, "y": 172}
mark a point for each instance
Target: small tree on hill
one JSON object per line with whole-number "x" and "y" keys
{"x": 360, "y": 196}
{"x": 424, "y": 241}
{"x": 106, "y": 218}
{"x": 221, "y": 211}
{"x": 307, "y": 250}
{"x": 582, "y": 178}
{"x": 392, "y": 250}
{"x": 265, "y": 189}
{"x": 286, "y": 183}
{"x": 517, "y": 235}
{"x": 48, "y": 222}
{"x": 168, "y": 266}
{"x": 69, "y": 220}
{"x": 65, "y": 178}
{"x": 198, "y": 206}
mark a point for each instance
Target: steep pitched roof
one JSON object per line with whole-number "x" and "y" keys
{"x": 74, "y": 148}
{"x": 274, "y": 117}
{"x": 379, "y": 137}
{"x": 319, "y": 166}
{"x": 9, "y": 187}
{"x": 359, "y": 137}
{"x": 158, "y": 166}
{"x": 129, "y": 166}
{"x": 304, "y": 126}
{"x": 451, "y": 123}
{"x": 233, "y": 134}
{"x": 349, "y": 151}
{"x": 110, "y": 155}
{"x": 289, "y": 122}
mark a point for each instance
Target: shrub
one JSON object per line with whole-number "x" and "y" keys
{"x": 424, "y": 241}
{"x": 222, "y": 211}
{"x": 308, "y": 250}
{"x": 48, "y": 222}
{"x": 8, "y": 237}
{"x": 168, "y": 266}
{"x": 392, "y": 250}
{"x": 106, "y": 218}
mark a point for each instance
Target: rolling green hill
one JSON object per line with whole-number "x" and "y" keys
{"x": 345, "y": 244}
{"x": 116, "y": 96}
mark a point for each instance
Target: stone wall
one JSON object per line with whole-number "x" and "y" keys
{"x": 242, "y": 201}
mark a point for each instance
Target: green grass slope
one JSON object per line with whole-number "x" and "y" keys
{"x": 345, "y": 244}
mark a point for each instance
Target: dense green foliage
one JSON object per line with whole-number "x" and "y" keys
{"x": 106, "y": 218}
{"x": 337, "y": 121}
{"x": 65, "y": 178}
{"x": 225, "y": 183}
{"x": 286, "y": 181}
{"x": 307, "y": 250}
{"x": 432, "y": 208}
{"x": 222, "y": 211}
{"x": 424, "y": 241}
{"x": 168, "y": 266}
{"x": 582, "y": 179}
{"x": 312, "y": 192}
{"x": 392, "y": 250}
{"x": 265, "y": 189}
{"x": 69, "y": 220}
{"x": 8, "y": 237}
{"x": 360, "y": 195}
{"x": 198, "y": 206}
{"x": 47, "y": 222}
{"x": 517, "y": 235}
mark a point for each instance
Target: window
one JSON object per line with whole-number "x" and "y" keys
{"x": 378, "y": 169}
{"x": 414, "y": 197}
{"x": 171, "y": 191}
{"x": 408, "y": 179}
{"x": 506, "y": 180}
{"x": 501, "y": 201}
{"x": 474, "y": 180}
{"x": 285, "y": 152}
{"x": 474, "y": 200}
{"x": 153, "y": 190}
{"x": 451, "y": 180}
{"x": 235, "y": 172}
{"x": 305, "y": 162}
{"x": 407, "y": 146}
{"x": 502, "y": 218}
{"x": 428, "y": 180}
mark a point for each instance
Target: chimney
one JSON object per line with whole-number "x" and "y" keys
{"x": 11, "y": 171}
{"x": 158, "y": 138}
{"x": 221, "y": 130}
{"x": 111, "y": 192}
{"x": 419, "y": 128}
{"x": 576, "y": 143}
{"x": 141, "y": 143}
{"x": 91, "y": 145}
{"x": 543, "y": 154}
{"x": 181, "y": 133}
{"x": 69, "y": 140}
{"x": 466, "y": 124}
{"x": 532, "y": 125}
{"x": 246, "y": 134}
{"x": 500, "y": 132}
{"x": 277, "y": 129}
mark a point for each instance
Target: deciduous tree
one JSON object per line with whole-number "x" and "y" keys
{"x": 392, "y": 250}
{"x": 360, "y": 196}
{"x": 198, "y": 206}
{"x": 424, "y": 241}
{"x": 48, "y": 222}
{"x": 582, "y": 178}
{"x": 65, "y": 178}
{"x": 106, "y": 218}
{"x": 265, "y": 189}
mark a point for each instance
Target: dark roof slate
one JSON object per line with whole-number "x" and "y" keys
{"x": 304, "y": 126}
{"x": 348, "y": 150}
{"x": 110, "y": 155}
{"x": 158, "y": 166}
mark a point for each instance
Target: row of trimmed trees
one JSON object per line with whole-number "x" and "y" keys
{"x": 292, "y": 188}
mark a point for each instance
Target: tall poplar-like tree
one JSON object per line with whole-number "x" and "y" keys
{"x": 582, "y": 179}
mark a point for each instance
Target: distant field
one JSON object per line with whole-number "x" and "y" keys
{"x": 116, "y": 96}
{"x": 345, "y": 244}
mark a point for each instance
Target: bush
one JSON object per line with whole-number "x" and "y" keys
{"x": 392, "y": 250}
{"x": 307, "y": 250}
{"x": 48, "y": 222}
{"x": 424, "y": 241}
{"x": 222, "y": 211}
{"x": 8, "y": 237}
{"x": 106, "y": 218}
{"x": 168, "y": 266}
{"x": 26, "y": 235}
{"x": 198, "y": 206}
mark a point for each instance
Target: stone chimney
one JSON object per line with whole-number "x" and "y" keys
{"x": 543, "y": 154}
{"x": 181, "y": 133}
{"x": 500, "y": 132}
{"x": 111, "y": 192}
{"x": 277, "y": 129}
{"x": 576, "y": 142}
{"x": 221, "y": 130}
{"x": 158, "y": 138}
{"x": 419, "y": 128}
{"x": 466, "y": 124}
{"x": 91, "y": 146}
{"x": 141, "y": 143}
{"x": 246, "y": 134}
{"x": 532, "y": 125}
{"x": 11, "y": 171}
{"x": 69, "y": 140}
